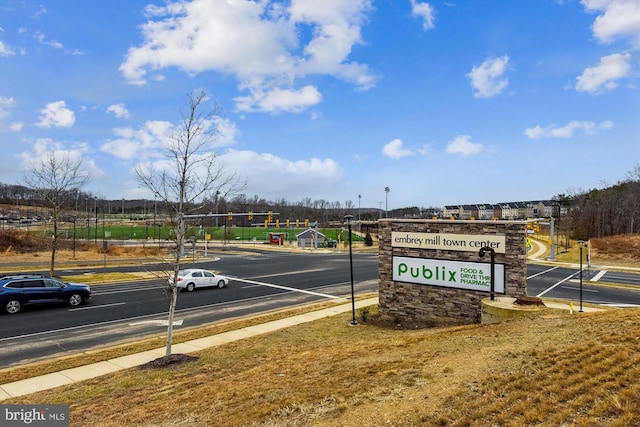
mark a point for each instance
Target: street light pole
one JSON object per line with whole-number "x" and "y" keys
{"x": 386, "y": 202}
{"x": 581, "y": 243}
{"x": 492, "y": 252}
{"x": 359, "y": 222}
{"x": 354, "y": 322}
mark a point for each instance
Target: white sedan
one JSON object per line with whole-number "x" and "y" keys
{"x": 193, "y": 278}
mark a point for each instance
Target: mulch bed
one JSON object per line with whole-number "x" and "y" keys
{"x": 171, "y": 360}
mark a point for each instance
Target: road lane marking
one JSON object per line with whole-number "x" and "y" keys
{"x": 286, "y": 288}
{"x": 577, "y": 289}
{"x": 315, "y": 270}
{"x": 554, "y": 286}
{"x": 91, "y": 307}
{"x": 158, "y": 322}
{"x": 599, "y": 275}
{"x": 541, "y": 273}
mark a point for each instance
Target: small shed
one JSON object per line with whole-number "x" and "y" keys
{"x": 310, "y": 238}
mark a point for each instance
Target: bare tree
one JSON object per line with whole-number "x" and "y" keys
{"x": 190, "y": 174}
{"x": 57, "y": 179}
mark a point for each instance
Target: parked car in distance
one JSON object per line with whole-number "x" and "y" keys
{"x": 17, "y": 291}
{"x": 193, "y": 278}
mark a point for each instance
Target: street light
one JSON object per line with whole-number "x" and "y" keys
{"x": 581, "y": 243}
{"x": 354, "y": 322}
{"x": 386, "y": 201}
{"x": 359, "y": 223}
{"x": 492, "y": 252}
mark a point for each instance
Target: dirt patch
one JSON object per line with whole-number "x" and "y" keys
{"x": 171, "y": 360}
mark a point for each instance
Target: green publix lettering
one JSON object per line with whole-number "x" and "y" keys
{"x": 440, "y": 273}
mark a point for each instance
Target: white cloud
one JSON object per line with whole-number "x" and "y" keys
{"x": 16, "y": 126}
{"x": 277, "y": 100}
{"x": 6, "y": 50}
{"x": 119, "y": 110}
{"x": 259, "y": 43}
{"x": 6, "y": 104}
{"x": 143, "y": 143}
{"x": 56, "y": 114}
{"x": 618, "y": 19}
{"x": 462, "y": 144}
{"x": 424, "y": 11}
{"x": 40, "y": 37}
{"x": 272, "y": 176}
{"x": 395, "y": 150}
{"x": 226, "y": 132}
{"x": 488, "y": 78}
{"x": 150, "y": 140}
{"x": 566, "y": 131}
{"x": 603, "y": 77}
{"x": 43, "y": 147}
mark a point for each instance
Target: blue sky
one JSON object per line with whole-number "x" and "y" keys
{"x": 444, "y": 102}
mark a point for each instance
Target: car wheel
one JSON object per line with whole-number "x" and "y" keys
{"x": 12, "y": 306}
{"x": 191, "y": 287}
{"x": 75, "y": 300}
{"x": 221, "y": 283}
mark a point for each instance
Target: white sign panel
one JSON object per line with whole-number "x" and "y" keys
{"x": 448, "y": 241}
{"x": 474, "y": 276}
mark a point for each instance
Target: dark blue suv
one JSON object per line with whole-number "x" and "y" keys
{"x": 19, "y": 290}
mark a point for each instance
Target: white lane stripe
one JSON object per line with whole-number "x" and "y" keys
{"x": 158, "y": 322}
{"x": 286, "y": 288}
{"x": 289, "y": 273}
{"x": 577, "y": 289}
{"x": 541, "y": 273}
{"x": 599, "y": 275}
{"x": 91, "y": 307}
{"x": 554, "y": 286}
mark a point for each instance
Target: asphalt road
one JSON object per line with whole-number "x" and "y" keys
{"x": 564, "y": 283}
{"x": 130, "y": 311}
{"x": 260, "y": 282}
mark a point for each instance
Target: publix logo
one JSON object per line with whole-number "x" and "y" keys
{"x": 453, "y": 274}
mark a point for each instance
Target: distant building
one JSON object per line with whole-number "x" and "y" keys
{"x": 310, "y": 238}
{"x": 504, "y": 211}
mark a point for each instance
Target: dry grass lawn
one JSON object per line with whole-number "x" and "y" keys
{"x": 551, "y": 370}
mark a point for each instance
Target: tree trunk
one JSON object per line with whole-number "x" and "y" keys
{"x": 174, "y": 285}
{"x": 172, "y": 310}
{"x": 54, "y": 246}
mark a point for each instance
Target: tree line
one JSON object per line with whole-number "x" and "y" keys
{"x": 604, "y": 212}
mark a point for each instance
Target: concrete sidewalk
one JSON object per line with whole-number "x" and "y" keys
{"x": 69, "y": 376}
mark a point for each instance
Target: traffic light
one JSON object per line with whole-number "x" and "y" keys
{"x": 536, "y": 227}
{"x": 269, "y": 216}
{"x": 250, "y": 216}
{"x": 277, "y": 223}
{"x": 230, "y": 217}
{"x": 288, "y": 222}
{"x": 266, "y": 223}
{"x": 306, "y": 222}
{"x": 297, "y": 223}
